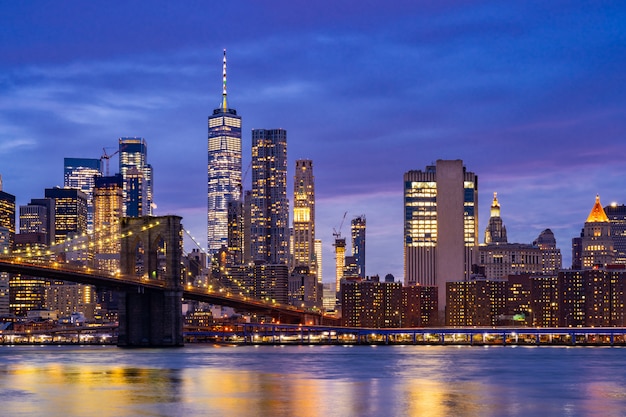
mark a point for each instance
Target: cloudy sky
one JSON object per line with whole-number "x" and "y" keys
{"x": 530, "y": 95}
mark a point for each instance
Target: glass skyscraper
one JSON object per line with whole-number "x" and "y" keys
{"x": 269, "y": 207}
{"x": 137, "y": 177}
{"x": 358, "y": 244}
{"x": 304, "y": 216}
{"x": 79, "y": 173}
{"x": 223, "y": 169}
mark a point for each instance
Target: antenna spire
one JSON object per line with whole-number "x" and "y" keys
{"x": 224, "y": 105}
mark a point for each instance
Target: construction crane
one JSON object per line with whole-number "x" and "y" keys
{"x": 337, "y": 232}
{"x": 106, "y": 157}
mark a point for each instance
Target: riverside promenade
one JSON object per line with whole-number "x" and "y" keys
{"x": 284, "y": 334}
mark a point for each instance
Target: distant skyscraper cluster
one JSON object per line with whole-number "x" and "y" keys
{"x": 258, "y": 247}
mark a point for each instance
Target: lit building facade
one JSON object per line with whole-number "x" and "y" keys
{"x": 38, "y": 217}
{"x": 318, "y": 259}
{"x": 340, "y": 261}
{"x": 269, "y": 207}
{"x": 597, "y": 241}
{"x": 495, "y": 231}
{"x": 224, "y": 169}
{"x": 617, "y": 216}
{"x": 108, "y": 206}
{"x": 137, "y": 175}
{"x": 70, "y": 212}
{"x": 80, "y": 173}
{"x": 440, "y": 225}
{"x": 357, "y": 227}
{"x": 7, "y": 213}
{"x": 304, "y": 216}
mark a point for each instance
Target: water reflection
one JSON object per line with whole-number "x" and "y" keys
{"x": 311, "y": 382}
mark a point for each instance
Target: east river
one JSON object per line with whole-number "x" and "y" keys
{"x": 209, "y": 380}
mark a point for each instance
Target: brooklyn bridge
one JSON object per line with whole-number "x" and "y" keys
{"x": 151, "y": 286}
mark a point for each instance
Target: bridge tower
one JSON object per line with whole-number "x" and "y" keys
{"x": 151, "y": 248}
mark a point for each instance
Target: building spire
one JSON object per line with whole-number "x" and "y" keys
{"x": 597, "y": 214}
{"x": 495, "y": 206}
{"x": 224, "y": 105}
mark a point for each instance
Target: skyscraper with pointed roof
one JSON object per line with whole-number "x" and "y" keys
{"x": 224, "y": 168}
{"x": 495, "y": 231}
{"x": 597, "y": 242}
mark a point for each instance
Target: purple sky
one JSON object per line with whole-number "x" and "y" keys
{"x": 530, "y": 95}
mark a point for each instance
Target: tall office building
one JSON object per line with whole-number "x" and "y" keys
{"x": 358, "y": 244}
{"x": 224, "y": 169}
{"x": 7, "y": 213}
{"x": 304, "y": 216}
{"x": 137, "y": 175}
{"x": 597, "y": 242}
{"x": 617, "y": 215}
{"x": 495, "y": 231}
{"x": 440, "y": 225}
{"x": 340, "y": 260}
{"x": 318, "y": 259}
{"x": 108, "y": 206}
{"x": 70, "y": 212}
{"x": 80, "y": 173}
{"x": 269, "y": 207}
{"x": 38, "y": 217}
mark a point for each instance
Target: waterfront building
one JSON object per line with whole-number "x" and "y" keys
{"x": 38, "y": 217}
{"x": 357, "y": 226}
{"x": 271, "y": 282}
{"x": 67, "y": 298}
{"x": 137, "y": 176}
{"x": 70, "y": 212}
{"x": 477, "y": 302}
{"x": 80, "y": 173}
{"x": 304, "y": 290}
{"x": 269, "y": 208}
{"x": 617, "y": 216}
{"x": 108, "y": 204}
{"x": 495, "y": 231}
{"x": 597, "y": 241}
{"x": 7, "y": 213}
{"x": 224, "y": 182}
{"x": 440, "y": 225}
{"x": 372, "y": 303}
{"x": 304, "y": 216}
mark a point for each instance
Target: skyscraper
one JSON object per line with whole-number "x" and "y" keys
{"x": 224, "y": 169}
{"x": 7, "y": 213}
{"x": 440, "y": 225}
{"x": 269, "y": 207}
{"x": 358, "y": 244}
{"x": 597, "y": 242}
{"x": 79, "y": 173}
{"x": 137, "y": 177}
{"x": 617, "y": 215}
{"x": 495, "y": 231}
{"x": 304, "y": 216}
{"x": 340, "y": 260}
{"x": 38, "y": 217}
{"x": 108, "y": 207}
{"x": 70, "y": 212}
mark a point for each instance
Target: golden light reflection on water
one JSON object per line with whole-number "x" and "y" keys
{"x": 310, "y": 383}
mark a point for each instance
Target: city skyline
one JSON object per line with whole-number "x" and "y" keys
{"x": 530, "y": 96}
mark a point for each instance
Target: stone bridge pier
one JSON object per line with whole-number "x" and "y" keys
{"x": 151, "y": 248}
